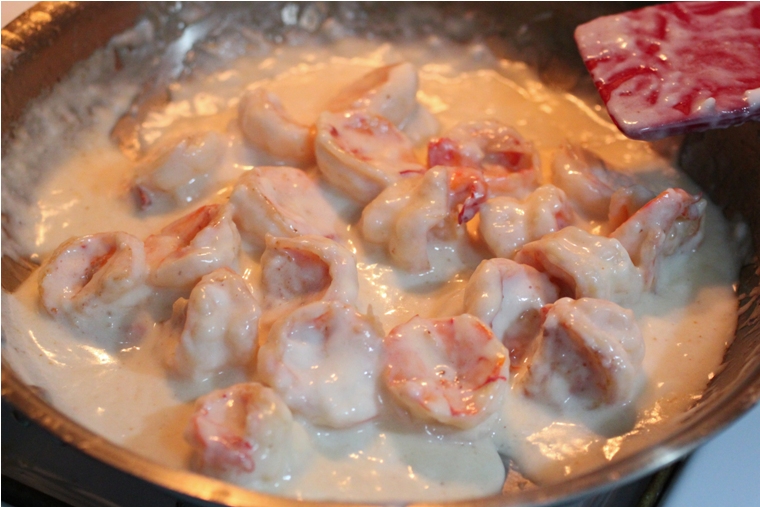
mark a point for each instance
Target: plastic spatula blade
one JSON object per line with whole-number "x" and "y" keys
{"x": 675, "y": 68}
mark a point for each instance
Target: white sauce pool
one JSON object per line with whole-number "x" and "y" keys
{"x": 125, "y": 394}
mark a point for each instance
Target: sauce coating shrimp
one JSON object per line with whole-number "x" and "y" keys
{"x": 97, "y": 283}
{"x": 241, "y": 433}
{"x": 323, "y": 359}
{"x": 669, "y": 223}
{"x": 300, "y": 270}
{"x": 176, "y": 174}
{"x": 283, "y": 202}
{"x": 586, "y": 179}
{"x": 510, "y": 163}
{"x": 590, "y": 351}
{"x": 216, "y": 328}
{"x": 452, "y": 371}
{"x": 626, "y": 201}
{"x": 507, "y": 224}
{"x": 508, "y": 297}
{"x": 266, "y": 125}
{"x": 582, "y": 264}
{"x": 389, "y": 91}
{"x": 406, "y": 214}
{"x": 361, "y": 153}
{"x": 193, "y": 246}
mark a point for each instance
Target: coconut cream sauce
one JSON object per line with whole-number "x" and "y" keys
{"x": 125, "y": 394}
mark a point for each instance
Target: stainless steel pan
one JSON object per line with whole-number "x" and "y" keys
{"x": 43, "y": 44}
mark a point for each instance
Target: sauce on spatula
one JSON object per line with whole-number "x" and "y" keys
{"x": 675, "y": 68}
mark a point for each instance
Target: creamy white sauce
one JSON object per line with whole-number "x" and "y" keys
{"x": 124, "y": 393}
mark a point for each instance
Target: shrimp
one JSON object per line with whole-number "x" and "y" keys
{"x": 283, "y": 202}
{"x": 193, "y": 246}
{"x": 406, "y": 214}
{"x": 266, "y": 125}
{"x": 378, "y": 218}
{"x": 361, "y": 153}
{"x": 510, "y": 164}
{"x": 323, "y": 359}
{"x": 590, "y": 351}
{"x": 582, "y": 264}
{"x": 216, "y": 328}
{"x": 178, "y": 173}
{"x": 453, "y": 371}
{"x": 507, "y": 224}
{"x": 586, "y": 179}
{"x": 669, "y": 223}
{"x": 241, "y": 433}
{"x": 303, "y": 269}
{"x": 508, "y": 297}
{"x": 98, "y": 283}
{"x": 389, "y": 91}
{"x": 626, "y": 201}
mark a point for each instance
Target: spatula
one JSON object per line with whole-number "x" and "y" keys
{"x": 675, "y": 68}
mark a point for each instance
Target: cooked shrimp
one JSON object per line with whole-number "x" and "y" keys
{"x": 389, "y": 91}
{"x": 283, "y": 202}
{"x": 453, "y": 371}
{"x": 323, "y": 359}
{"x": 379, "y": 216}
{"x": 178, "y": 173}
{"x": 586, "y": 179}
{"x": 215, "y": 329}
{"x": 361, "y": 153}
{"x": 300, "y": 270}
{"x": 241, "y": 433}
{"x": 266, "y": 125}
{"x": 406, "y": 214}
{"x": 97, "y": 283}
{"x": 590, "y": 351}
{"x": 626, "y": 201}
{"x": 670, "y": 222}
{"x": 506, "y": 224}
{"x": 508, "y": 297}
{"x": 509, "y": 163}
{"x": 193, "y": 246}
{"x": 582, "y": 264}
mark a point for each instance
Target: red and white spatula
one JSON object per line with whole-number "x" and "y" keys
{"x": 675, "y": 68}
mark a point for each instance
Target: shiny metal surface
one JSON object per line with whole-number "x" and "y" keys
{"x": 40, "y": 47}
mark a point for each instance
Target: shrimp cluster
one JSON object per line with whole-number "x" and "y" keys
{"x": 259, "y": 290}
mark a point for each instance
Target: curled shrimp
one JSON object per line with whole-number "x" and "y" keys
{"x": 508, "y": 297}
{"x": 178, "y": 173}
{"x": 582, "y": 264}
{"x": 586, "y": 179}
{"x": 438, "y": 203}
{"x": 669, "y": 223}
{"x": 241, "y": 433}
{"x": 304, "y": 269}
{"x": 389, "y": 91}
{"x": 215, "y": 329}
{"x": 283, "y": 202}
{"x": 266, "y": 125}
{"x": 193, "y": 246}
{"x": 96, "y": 282}
{"x": 590, "y": 351}
{"x": 323, "y": 359}
{"x": 510, "y": 164}
{"x": 506, "y": 224}
{"x": 452, "y": 371}
{"x": 361, "y": 153}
